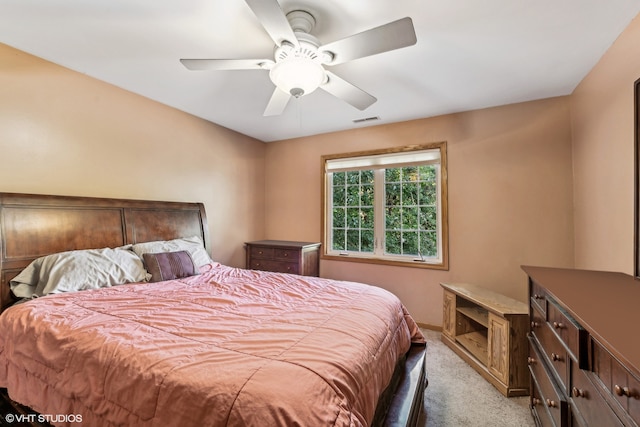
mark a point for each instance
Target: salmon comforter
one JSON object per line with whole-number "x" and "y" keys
{"x": 228, "y": 347}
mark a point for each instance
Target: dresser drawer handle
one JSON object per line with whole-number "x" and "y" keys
{"x": 558, "y": 325}
{"x": 535, "y": 325}
{"x": 622, "y": 391}
{"x": 535, "y": 401}
{"x": 551, "y": 403}
{"x": 556, "y": 357}
{"x": 531, "y": 360}
{"x": 578, "y": 393}
{"x": 260, "y": 252}
{"x": 538, "y": 296}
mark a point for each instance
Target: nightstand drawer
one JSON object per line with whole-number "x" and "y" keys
{"x": 286, "y": 254}
{"x": 275, "y": 266}
{"x": 261, "y": 252}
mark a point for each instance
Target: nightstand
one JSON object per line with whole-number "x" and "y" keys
{"x": 282, "y": 256}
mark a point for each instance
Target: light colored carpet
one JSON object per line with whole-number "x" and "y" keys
{"x": 458, "y": 396}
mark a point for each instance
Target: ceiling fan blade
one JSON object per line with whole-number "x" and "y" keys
{"x": 277, "y": 103}
{"x": 273, "y": 20}
{"x": 227, "y": 64}
{"x": 349, "y": 93}
{"x": 391, "y": 36}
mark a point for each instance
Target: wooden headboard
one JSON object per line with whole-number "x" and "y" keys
{"x": 34, "y": 225}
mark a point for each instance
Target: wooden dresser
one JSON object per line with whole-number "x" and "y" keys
{"x": 584, "y": 355}
{"x": 283, "y": 256}
{"x": 489, "y": 331}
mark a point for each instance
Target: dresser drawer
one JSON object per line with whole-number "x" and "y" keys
{"x": 538, "y": 297}
{"x": 618, "y": 381}
{"x": 570, "y": 332}
{"x": 554, "y": 353}
{"x": 538, "y": 320}
{"x": 261, "y": 252}
{"x": 552, "y": 397}
{"x": 588, "y": 401}
{"x": 275, "y": 266}
{"x": 538, "y": 406}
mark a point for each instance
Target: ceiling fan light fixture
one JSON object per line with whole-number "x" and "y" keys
{"x": 297, "y": 76}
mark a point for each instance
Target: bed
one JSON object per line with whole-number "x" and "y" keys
{"x": 218, "y": 346}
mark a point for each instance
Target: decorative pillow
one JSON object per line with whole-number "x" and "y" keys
{"x": 169, "y": 265}
{"x": 78, "y": 270}
{"x": 193, "y": 245}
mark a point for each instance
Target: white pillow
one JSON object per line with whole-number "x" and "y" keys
{"x": 78, "y": 270}
{"x": 193, "y": 245}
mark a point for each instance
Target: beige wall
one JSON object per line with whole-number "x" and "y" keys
{"x": 526, "y": 181}
{"x": 510, "y": 197}
{"x": 603, "y": 140}
{"x": 64, "y": 133}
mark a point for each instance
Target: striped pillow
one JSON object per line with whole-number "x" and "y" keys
{"x": 169, "y": 265}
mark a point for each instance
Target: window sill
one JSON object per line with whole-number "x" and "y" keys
{"x": 442, "y": 265}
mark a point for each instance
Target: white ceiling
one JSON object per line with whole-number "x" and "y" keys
{"x": 470, "y": 54}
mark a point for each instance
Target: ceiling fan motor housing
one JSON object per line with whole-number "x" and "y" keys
{"x": 298, "y": 70}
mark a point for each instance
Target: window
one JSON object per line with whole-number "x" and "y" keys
{"x": 387, "y": 206}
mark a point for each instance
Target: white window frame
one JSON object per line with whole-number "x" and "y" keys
{"x": 378, "y": 160}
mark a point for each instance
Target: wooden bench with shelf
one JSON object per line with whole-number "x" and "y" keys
{"x": 489, "y": 331}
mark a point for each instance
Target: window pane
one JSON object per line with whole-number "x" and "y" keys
{"x": 393, "y": 194}
{"x": 339, "y": 239}
{"x": 428, "y": 218}
{"x": 427, "y": 173}
{"x": 393, "y": 242}
{"x": 428, "y": 194}
{"x": 366, "y": 177}
{"x": 410, "y": 243}
{"x": 392, "y": 175}
{"x": 410, "y": 174}
{"x": 353, "y": 195}
{"x": 353, "y": 177}
{"x": 339, "y": 216}
{"x": 366, "y": 215}
{"x": 353, "y": 218}
{"x": 367, "y": 241}
{"x": 410, "y": 193}
{"x": 429, "y": 243}
{"x": 367, "y": 195}
{"x": 393, "y": 219}
{"x": 338, "y": 196}
{"x": 410, "y": 218}
{"x": 353, "y": 240}
{"x": 339, "y": 178}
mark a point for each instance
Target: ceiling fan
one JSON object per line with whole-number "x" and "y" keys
{"x": 298, "y": 65}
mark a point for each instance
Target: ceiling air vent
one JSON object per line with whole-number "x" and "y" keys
{"x": 366, "y": 119}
